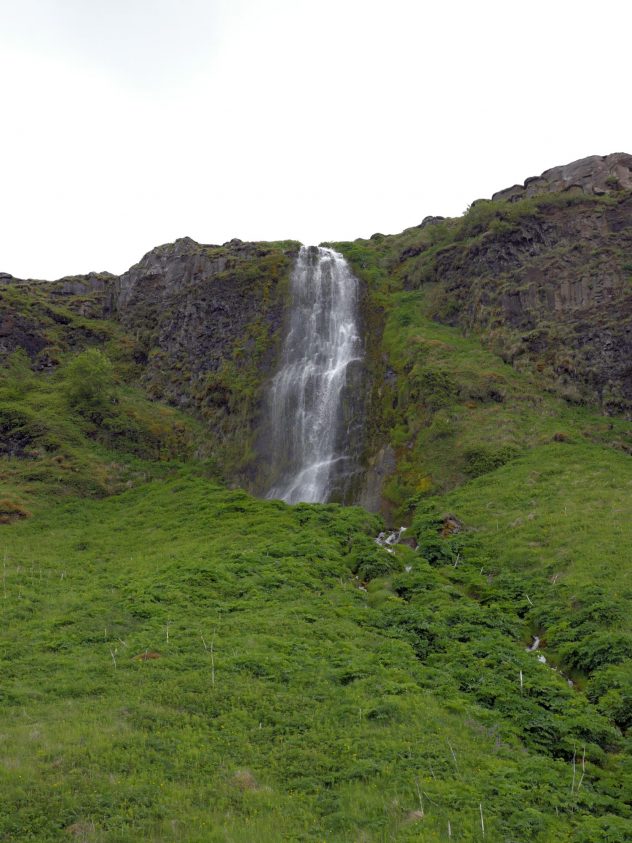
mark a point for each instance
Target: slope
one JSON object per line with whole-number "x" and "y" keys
{"x": 185, "y": 662}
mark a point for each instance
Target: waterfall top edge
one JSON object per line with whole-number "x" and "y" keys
{"x": 319, "y": 250}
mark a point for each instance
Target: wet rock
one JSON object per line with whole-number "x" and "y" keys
{"x": 390, "y": 538}
{"x": 451, "y": 526}
{"x": 380, "y": 467}
{"x": 534, "y": 645}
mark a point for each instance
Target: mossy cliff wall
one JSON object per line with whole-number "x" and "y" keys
{"x": 208, "y": 319}
{"x": 541, "y": 276}
{"x": 545, "y": 281}
{"x": 548, "y": 283}
{"x": 201, "y": 323}
{"x": 539, "y": 280}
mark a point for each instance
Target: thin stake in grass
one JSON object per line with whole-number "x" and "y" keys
{"x": 480, "y": 808}
{"x": 420, "y": 797}
{"x": 583, "y": 769}
{"x": 456, "y": 766}
{"x": 211, "y": 651}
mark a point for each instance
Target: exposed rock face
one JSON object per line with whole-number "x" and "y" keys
{"x": 554, "y": 286}
{"x": 547, "y": 282}
{"x": 379, "y": 469}
{"x": 196, "y": 307}
{"x": 426, "y": 221}
{"x": 204, "y": 321}
{"x": 31, "y": 320}
{"x": 18, "y": 331}
{"x": 209, "y": 319}
{"x": 595, "y": 175}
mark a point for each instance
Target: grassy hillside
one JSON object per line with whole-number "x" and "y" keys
{"x": 444, "y": 401}
{"x": 81, "y": 430}
{"x": 183, "y": 662}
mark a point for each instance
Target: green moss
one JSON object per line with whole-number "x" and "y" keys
{"x": 443, "y": 397}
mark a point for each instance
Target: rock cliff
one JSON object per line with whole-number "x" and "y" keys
{"x": 542, "y": 273}
{"x": 553, "y": 286}
{"x": 595, "y": 175}
{"x": 208, "y": 320}
{"x": 204, "y": 322}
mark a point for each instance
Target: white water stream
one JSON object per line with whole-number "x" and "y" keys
{"x": 307, "y": 436}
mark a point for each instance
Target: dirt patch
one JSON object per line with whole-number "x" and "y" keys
{"x": 82, "y": 831}
{"x": 451, "y": 526}
{"x": 244, "y": 780}
{"x": 11, "y": 511}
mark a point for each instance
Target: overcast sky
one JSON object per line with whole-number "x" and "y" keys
{"x": 129, "y": 123}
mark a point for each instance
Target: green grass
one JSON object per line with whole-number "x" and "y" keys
{"x": 562, "y": 509}
{"x": 286, "y": 703}
{"x": 56, "y": 445}
{"x": 455, "y": 409}
{"x": 182, "y": 662}
{"x": 557, "y": 524}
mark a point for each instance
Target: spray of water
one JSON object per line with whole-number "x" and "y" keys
{"x": 305, "y": 397}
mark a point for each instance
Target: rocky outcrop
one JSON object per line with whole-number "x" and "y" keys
{"x": 553, "y": 286}
{"x": 195, "y": 307}
{"x": 17, "y": 330}
{"x": 208, "y": 319}
{"x": 595, "y": 175}
{"x": 204, "y": 321}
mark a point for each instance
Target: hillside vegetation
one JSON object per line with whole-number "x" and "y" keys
{"x": 183, "y": 662}
{"x": 453, "y": 404}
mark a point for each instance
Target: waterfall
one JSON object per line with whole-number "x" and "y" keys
{"x": 309, "y": 434}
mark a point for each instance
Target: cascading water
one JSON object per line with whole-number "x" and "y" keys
{"x": 308, "y": 430}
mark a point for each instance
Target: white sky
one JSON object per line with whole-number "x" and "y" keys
{"x": 128, "y": 123}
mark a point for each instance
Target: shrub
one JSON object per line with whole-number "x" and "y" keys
{"x": 17, "y": 377}
{"x": 611, "y": 690}
{"x": 89, "y": 382}
{"x": 369, "y": 563}
{"x": 598, "y": 650}
{"x": 481, "y": 460}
